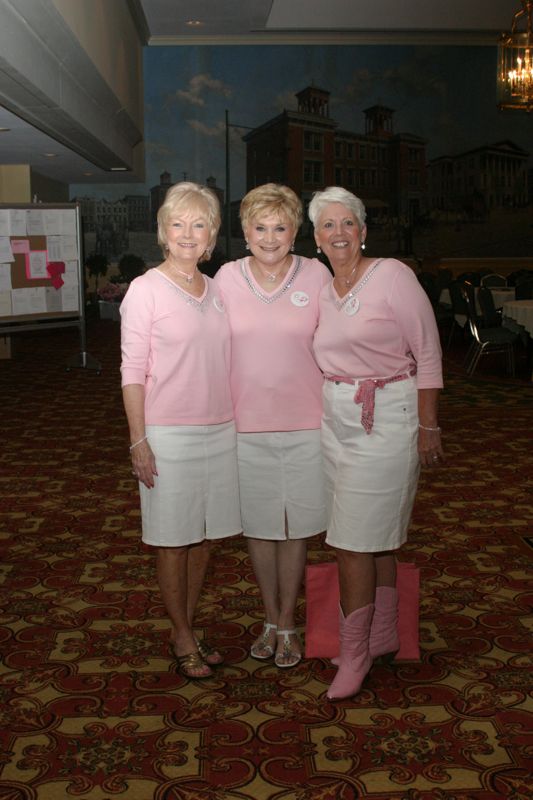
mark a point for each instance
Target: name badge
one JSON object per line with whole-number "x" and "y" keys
{"x": 352, "y": 306}
{"x": 300, "y": 299}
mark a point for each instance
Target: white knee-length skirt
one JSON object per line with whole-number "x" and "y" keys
{"x": 196, "y": 494}
{"x": 281, "y": 481}
{"x": 371, "y": 479}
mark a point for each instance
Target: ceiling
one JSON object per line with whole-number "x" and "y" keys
{"x": 323, "y": 21}
{"x": 169, "y": 22}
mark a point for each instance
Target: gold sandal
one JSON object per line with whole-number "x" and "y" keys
{"x": 191, "y": 663}
{"x": 210, "y": 655}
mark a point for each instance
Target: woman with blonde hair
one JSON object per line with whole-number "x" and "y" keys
{"x": 175, "y": 383}
{"x": 271, "y": 298}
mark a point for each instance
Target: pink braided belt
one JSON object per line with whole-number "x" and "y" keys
{"x": 366, "y": 393}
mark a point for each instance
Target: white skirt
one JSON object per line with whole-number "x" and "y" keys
{"x": 196, "y": 494}
{"x": 371, "y": 479}
{"x": 281, "y": 477}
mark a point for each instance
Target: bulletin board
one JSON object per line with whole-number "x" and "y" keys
{"x": 41, "y": 270}
{"x": 40, "y": 258}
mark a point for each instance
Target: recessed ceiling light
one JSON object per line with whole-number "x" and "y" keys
{"x": 87, "y": 173}
{"x": 50, "y": 155}
{"x": 194, "y": 23}
{"x": 4, "y": 130}
{"x": 119, "y": 169}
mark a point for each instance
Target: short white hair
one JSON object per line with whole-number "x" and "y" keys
{"x": 336, "y": 194}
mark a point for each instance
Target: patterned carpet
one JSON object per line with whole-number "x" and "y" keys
{"x": 91, "y": 704}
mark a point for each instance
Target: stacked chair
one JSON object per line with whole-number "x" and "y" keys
{"x": 459, "y": 309}
{"x": 472, "y": 277}
{"x": 524, "y": 288}
{"x": 490, "y": 315}
{"x": 493, "y": 279}
{"x": 443, "y": 314}
{"x": 485, "y": 340}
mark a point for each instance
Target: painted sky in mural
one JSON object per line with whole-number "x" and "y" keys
{"x": 446, "y": 95}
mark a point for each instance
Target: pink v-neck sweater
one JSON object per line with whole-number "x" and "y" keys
{"x": 178, "y": 348}
{"x": 392, "y": 329}
{"x": 275, "y": 382}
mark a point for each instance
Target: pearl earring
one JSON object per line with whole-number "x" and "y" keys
{"x": 363, "y": 246}
{"x": 247, "y": 245}
{"x": 318, "y": 250}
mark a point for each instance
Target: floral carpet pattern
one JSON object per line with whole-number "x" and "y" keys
{"x": 91, "y": 703}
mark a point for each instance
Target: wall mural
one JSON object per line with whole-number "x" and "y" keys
{"x": 414, "y": 131}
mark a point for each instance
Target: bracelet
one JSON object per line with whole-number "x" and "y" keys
{"x": 424, "y": 428}
{"x": 139, "y": 442}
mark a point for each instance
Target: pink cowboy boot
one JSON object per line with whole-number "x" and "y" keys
{"x": 355, "y": 659}
{"x": 384, "y": 639}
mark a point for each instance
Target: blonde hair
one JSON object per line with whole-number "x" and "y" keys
{"x": 187, "y": 196}
{"x": 271, "y": 198}
{"x": 336, "y": 194}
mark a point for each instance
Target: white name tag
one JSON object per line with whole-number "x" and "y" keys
{"x": 300, "y": 299}
{"x": 352, "y": 307}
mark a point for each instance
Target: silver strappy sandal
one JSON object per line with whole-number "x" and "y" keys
{"x": 261, "y": 649}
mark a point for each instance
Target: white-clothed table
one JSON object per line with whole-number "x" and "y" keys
{"x": 521, "y": 312}
{"x": 518, "y": 316}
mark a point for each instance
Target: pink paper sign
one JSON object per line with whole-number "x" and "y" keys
{"x": 20, "y": 245}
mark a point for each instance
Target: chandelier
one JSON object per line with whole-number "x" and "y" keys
{"x": 515, "y": 62}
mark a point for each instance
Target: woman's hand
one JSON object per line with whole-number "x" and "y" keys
{"x": 429, "y": 443}
{"x": 143, "y": 464}
{"x": 430, "y": 447}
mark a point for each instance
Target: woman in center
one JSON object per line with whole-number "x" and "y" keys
{"x": 271, "y": 298}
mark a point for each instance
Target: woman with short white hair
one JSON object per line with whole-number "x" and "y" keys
{"x": 378, "y": 346}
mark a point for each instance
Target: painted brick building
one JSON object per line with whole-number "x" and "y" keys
{"x": 305, "y": 150}
{"x": 491, "y": 176}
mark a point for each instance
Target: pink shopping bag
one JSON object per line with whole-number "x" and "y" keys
{"x": 322, "y": 611}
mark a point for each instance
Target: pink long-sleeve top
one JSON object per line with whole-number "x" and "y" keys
{"x": 275, "y": 382}
{"x": 178, "y": 348}
{"x": 386, "y": 328}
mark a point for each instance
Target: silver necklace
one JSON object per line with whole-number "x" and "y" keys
{"x": 348, "y": 280}
{"x": 188, "y": 278}
{"x": 198, "y": 304}
{"x": 271, "y": 276}
{"x": 282, "y": 289}
{"x": 339, "y": 304}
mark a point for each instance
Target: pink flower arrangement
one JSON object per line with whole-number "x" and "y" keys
{"x": 113, "y": 292}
